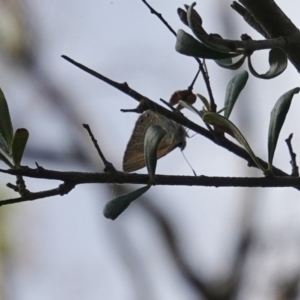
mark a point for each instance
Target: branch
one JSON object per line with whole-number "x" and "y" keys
{"x": 76, "y": 178}
{"x": 147, "y": 103}
{"x": 253, "y": 45}
{"x": 245, "y": 45}
{"x": 108, "y": 165}
{"x": 201, "y": 67}
{"x": 270, "y": 17}
{"x": 295, "y": 168}
{"x": 276, "y": 24}
{"x": 63, "y": 189}
{"x": 248, "y": 18}
{"x": 179, "y": 118}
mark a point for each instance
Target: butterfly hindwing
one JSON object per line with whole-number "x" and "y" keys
{"x": 134, "y": 158}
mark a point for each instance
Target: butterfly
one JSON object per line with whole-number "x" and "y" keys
{"x": 134, "y": 157}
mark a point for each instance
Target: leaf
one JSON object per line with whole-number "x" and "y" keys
{"x": 18, "y": 145}
{"x": 6, "y": 129}
{"x": 278, "y": 63}
{"x": 116, "y": 206}
{"x": 182, "y": 16}
{"x": 278, "y": 115}
{"x": 204, "y": 101}
{"x": 4, "y": 157}
{"x": 225, "y": 125}
{"x": 191, "y": 108}
{"x": 153, "y": 136}
{"x": 213, "y": 41}
{"x": 234, "y": 87}
{"x": 188, "y": 45}
{"x": 227, "y": 63}
{"x": 3, "y": 146}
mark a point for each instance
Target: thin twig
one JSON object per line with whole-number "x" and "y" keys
{"x": 108, "y": 165}
{"x": 153, "y": 11}
{"x": 190, "y": 88}
{"x": 147, "y": 103}
{"x": 16, "y": 188}
{"x": 179, "y": 118}
{"x": 168, "y": 104}
{"x": 63, "y": 189}
{"x": 142, "y": 107}
{"x": 295, "y": 169}
{"x": 204, "y": 74}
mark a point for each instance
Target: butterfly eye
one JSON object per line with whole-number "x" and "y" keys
{"x": 181, "y": 145}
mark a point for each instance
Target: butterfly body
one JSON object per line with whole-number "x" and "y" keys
{"x": 134, "y": 157}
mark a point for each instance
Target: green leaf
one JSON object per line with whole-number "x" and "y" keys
{"x": 18, "y": 145}
{"x": 182, "y": 16}
{"x": 225, "y": 125}
{"x": 234, "y": 87}
{"x": 213, "y": 41}
{"x": 278, "y": 115}
{"x": 204, "y": 101}
{"x": 4, "y": 157}
{"x": 278, "y": 63}
{"x": 3, "y": 146}
{"x": 6, "y": 129}
{"x": 116, "y": 206}
{"x": 227, "y": 63}
{"x": 153, "y": 136}
{"x": 188, "y": 45}
{"x": 191, "y": 108}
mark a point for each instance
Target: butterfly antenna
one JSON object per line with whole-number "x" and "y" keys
{"x": 188, "y": 163}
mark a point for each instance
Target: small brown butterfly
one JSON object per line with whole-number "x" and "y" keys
{"x": 134, "y": 158}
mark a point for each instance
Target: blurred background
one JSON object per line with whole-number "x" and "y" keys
{"x": 175, "y": 242}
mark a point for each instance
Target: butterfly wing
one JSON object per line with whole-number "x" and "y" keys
{"x": 134, "y": 154}
{"x": 134, "y": 158}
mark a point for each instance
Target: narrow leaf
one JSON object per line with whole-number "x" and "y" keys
{"x": 188, "y": 45}
{"x": 227, "y": 63}
{"x": 278, "y": 63}
{"x": 3, "y": 146}
{"x": 278, "y": 115}
{"x": 152, "y": 139}
{"x": 6, "y": 129}
{"x": 234, "y": 87}
{"x": 225, "y": 125}
{"x": 4, "y": 157}
{"x": 116, "y": 206}
{"x": 191, "y": 108}
{"x": 204, "y": 101}
{"x": 18, "y": 145}
{"x": 213, "y": 41}
{"x": 182, "y": 16}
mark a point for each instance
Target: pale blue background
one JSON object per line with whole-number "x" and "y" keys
{"x": 62, "y": 247}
